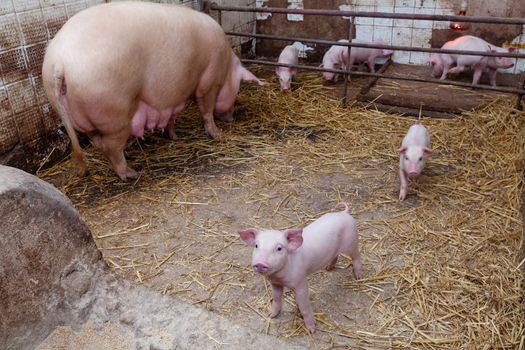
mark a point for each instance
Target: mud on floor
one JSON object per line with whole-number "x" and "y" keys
{"x": 440, "y": 268}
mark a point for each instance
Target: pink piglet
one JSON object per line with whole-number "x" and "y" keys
{"x": 287, "y": 257}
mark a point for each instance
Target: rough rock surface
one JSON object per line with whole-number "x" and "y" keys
{"x": 48, "y": 260}
{"x": 53, "y": 281}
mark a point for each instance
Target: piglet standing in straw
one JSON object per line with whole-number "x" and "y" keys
{"x": 289, "y": 56}
{"x": 414, "y": 151}
{"x": 287, "y": 257}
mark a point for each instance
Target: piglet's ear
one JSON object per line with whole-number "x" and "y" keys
{"x": 294, "y": 236}
{"x": 248, "y": 236}
{"x": 427, "y": 151}
{"x": 402, "y": 149}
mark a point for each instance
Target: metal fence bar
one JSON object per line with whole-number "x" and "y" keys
{"x": 520, "y": 95}
{"x": 520, "y": 91}
{"x": 348, "y": 76}
{"x": 393, "y": 77}
{"x": 378, "y": 46}
{"x": 420, "y": 17}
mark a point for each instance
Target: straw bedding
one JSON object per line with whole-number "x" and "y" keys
{"x": 442, "y": 269}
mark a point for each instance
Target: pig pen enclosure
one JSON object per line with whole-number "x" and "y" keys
{"x": 442, "y": 269}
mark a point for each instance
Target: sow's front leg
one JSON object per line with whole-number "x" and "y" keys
{"x": 206, "y": 102}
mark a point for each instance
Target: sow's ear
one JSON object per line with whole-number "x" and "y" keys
{"x": 427, "y": 151}
{"x": 294, "y": 236}
{"x": 248, "y": 236}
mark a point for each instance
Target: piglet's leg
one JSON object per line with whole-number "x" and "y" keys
{"x": 403, "y": 185}
{"x": 277, "y": 303}
{"x": 492, "y": 75}
{"x": 446, "y": 67}
{"x": 457, "y": 69}
{"x": 356, "y": 263}
{"x": 371, "y": 65}
{"x": 331, "y": 266}
{"x": 303, "y": 301}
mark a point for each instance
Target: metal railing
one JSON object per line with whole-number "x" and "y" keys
{"x": 351, "y": 15}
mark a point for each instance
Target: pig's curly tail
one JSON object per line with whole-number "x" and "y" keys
{"x": 340, "y": 204}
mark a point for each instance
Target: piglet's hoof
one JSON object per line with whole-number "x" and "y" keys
{"x": 310, "y": 325}
{"x": 273, "y": 313}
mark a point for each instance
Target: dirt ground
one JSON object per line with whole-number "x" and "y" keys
{"x": 286, "y": 160}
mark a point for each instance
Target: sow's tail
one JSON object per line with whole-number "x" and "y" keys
{"x": 342, "y": 204}
{"x": 60, "y": 90}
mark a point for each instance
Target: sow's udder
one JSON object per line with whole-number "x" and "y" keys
{"x": 150, "y": 118}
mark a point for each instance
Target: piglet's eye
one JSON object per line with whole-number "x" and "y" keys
{"x": 279, "y": 249}
{"x": 256, "y": 246}
{"x": 420, "y": 158}
{"x": 406, "y": 158}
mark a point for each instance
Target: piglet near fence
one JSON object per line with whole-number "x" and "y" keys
{"x": 285, "y": 74}
{"x": 442, "y": 63}
{"x": 367, "y": 54}
{"x": 337, "y": 56}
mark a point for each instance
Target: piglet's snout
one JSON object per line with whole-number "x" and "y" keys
{"x": 260, "y": 267}
{"x": 413, "y": 173}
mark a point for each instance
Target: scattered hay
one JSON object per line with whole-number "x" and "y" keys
{"x": 442, "y": 269}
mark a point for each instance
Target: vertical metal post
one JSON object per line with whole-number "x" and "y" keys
{"x": 347, "y": 76}
{"x": 219, "y": 17}
{"x": 520, "y": 96}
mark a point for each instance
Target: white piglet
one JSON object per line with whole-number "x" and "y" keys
{"x": 335, "y": 58}
{"x": 289, "y": 56}
{"x": 414, "y": 151}
{"x": 287, "y": 257}
{"x": 365, "y": 54}
{"x": 442, "y": 63}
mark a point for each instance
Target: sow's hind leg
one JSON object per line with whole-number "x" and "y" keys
{"x": 112, "y": 145}
{"x": 111, "y": 137}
